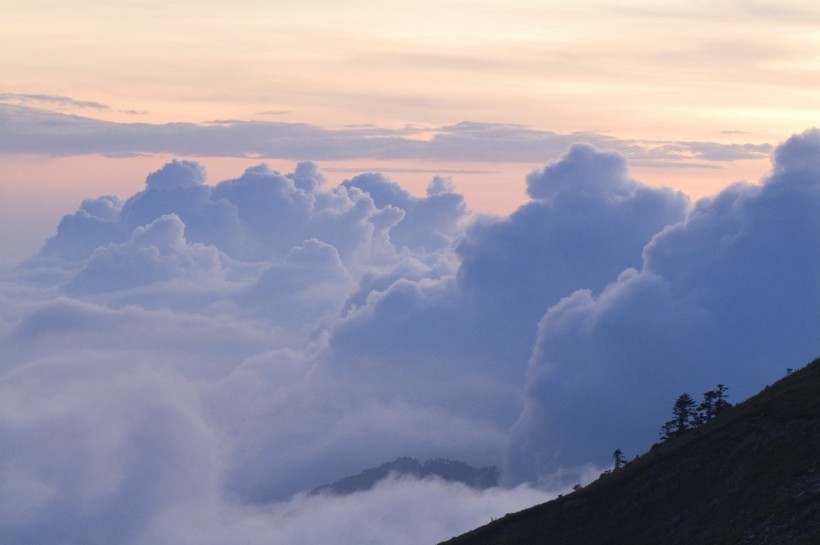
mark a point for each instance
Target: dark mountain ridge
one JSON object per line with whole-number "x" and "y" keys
{"x": 449, "y": 470}
{"x": 750, "y": 477}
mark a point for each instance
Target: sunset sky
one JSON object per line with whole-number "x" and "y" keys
{"x": 694, "y": 93}
{"x": 249, "y": 248}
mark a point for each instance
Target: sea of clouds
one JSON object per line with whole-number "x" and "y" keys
{"x": 179, "y": 367}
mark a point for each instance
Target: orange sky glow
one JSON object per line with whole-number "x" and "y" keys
{"x": 729, "y": 73}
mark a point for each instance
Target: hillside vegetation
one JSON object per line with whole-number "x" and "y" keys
{"x": 750, "y": 477}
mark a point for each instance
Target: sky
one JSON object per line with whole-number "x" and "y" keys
{"x": 249, "y": 249}
{"x": 694, "y": 93}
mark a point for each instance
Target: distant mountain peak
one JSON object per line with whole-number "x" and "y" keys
{"x": 448, "y": 470}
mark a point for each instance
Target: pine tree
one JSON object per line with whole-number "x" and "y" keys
{"x": 706, "y": 409}
{"x": 720, "y": 403}
{"x": 668, "y": 430}
{"x": 684, "y": 412}
{"x": 684, "y": 417}
{"x": 618, "y": 459}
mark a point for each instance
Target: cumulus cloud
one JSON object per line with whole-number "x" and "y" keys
{"x": 311, "y": 282}
{"x": 587, "y": 221}
{"x": 730, "y": 295}
{"x": 94, "y": 225}
{"x": 156, "y": 252}
{"x": 179, "y": 366}
{"x": 430, "y": 223}
{"x": 259, "y": 216}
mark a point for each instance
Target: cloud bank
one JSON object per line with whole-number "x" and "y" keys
{"x": 39, "y": 130}
{"x": 180, "y": 366}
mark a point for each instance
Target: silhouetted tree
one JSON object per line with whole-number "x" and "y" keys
{"x": 706, "y": 409}
{"x": 684, "y": 412}
{"x": 720, "y": 401}
{"x": 684, "y": 415}
{"x": 667, "y": 430}
{"x": 618, "y": 459}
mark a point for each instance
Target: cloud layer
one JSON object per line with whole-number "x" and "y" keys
{"x": 180, "y": 365}
{"x": 36, "y": 130}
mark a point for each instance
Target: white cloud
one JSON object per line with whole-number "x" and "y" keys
{"x": 405, "y": 511}
{"x": 157, "y": 252}
{"x": 730, "y": 295}
{"x": 587, "y": 221}
{"x": 95, "y": 452}
{"x": 176, "y": 366}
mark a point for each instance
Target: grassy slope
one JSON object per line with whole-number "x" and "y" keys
{"x": 753, "y": 476}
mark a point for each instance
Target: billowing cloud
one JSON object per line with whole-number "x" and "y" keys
{"x": 587, "y": 221}
{"x": 181, "y": 365}
{"x": 260, "y": 215}
{"x": 156, "y": 252}
{"x": 730, "y": 295}
{"x": 430, "y": 223}
{"x": 309, "y": 283}
{"x": 94, "y": 225}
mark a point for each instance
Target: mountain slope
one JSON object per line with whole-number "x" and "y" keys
{"x": 751, "y": 477}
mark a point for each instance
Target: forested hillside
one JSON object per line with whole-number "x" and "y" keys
{"x": 750, "y": 476}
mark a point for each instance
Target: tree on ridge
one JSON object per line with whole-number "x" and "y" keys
{"x": 684, "y": 417}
